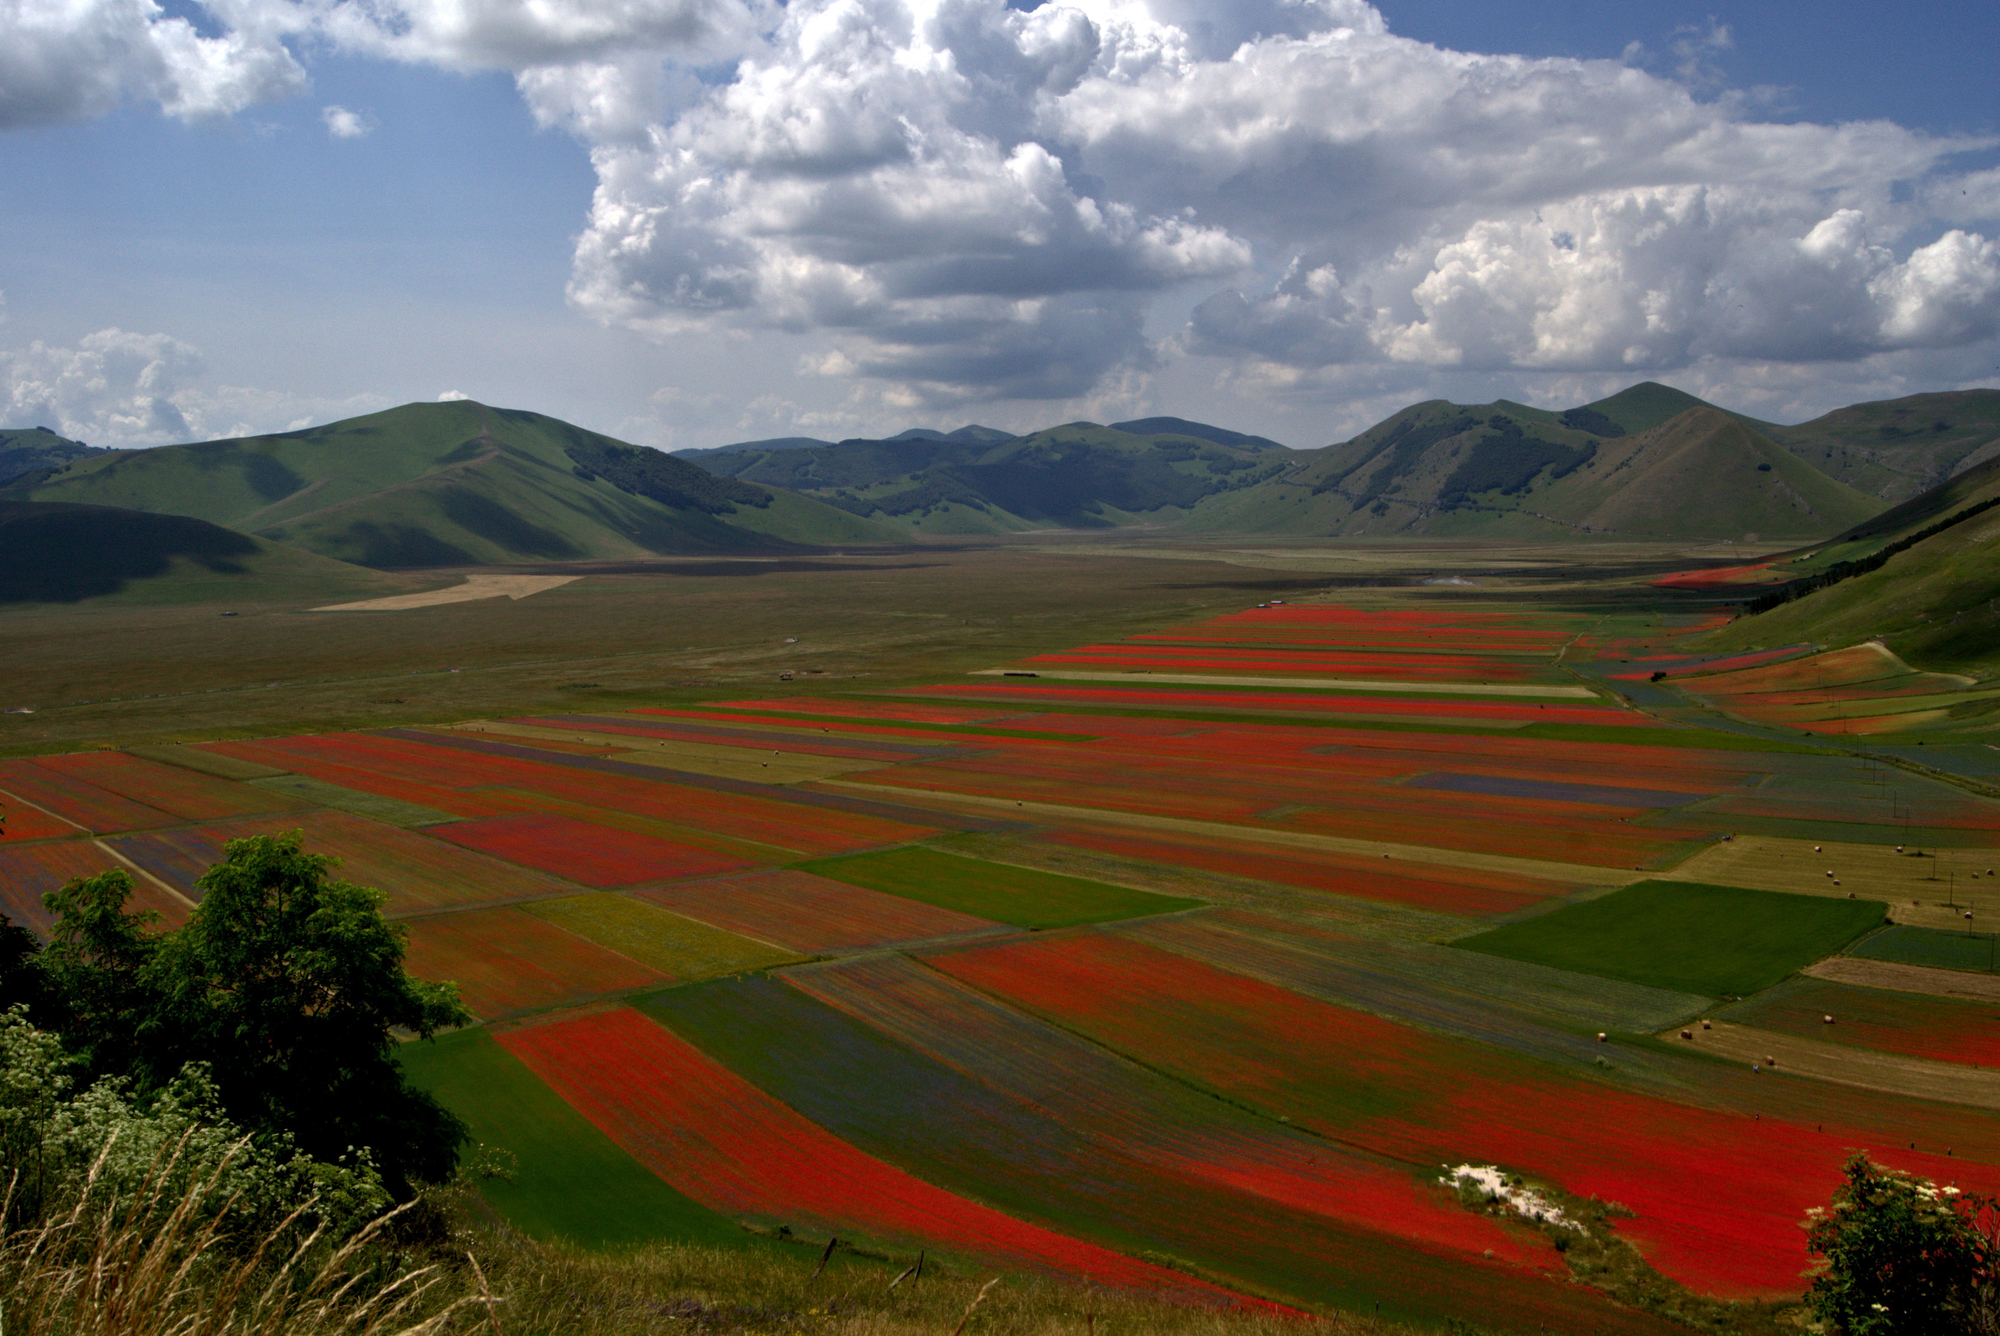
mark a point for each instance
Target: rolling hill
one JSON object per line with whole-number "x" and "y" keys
{"x": 445, "y": 484}
{"x": 59, "y": 553}
{"x": 26, "y": 450}
{"x": 1077, "y": 475}
{"x": 1651, "y": 462}
{"x": 1921, "y": 577}
{"x": 1899, "y": 448}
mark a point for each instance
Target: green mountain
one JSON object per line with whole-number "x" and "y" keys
{"x": 1900, "y": 448}
{"x": 30, "y": 449}
{"x": 1651, "y": 462}
{"x": 1077, "y": 475}
{"x": 444, "y": 484}
{"x": 57, "y": 553}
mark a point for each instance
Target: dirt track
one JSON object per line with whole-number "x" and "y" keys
{"x": 1846, "y": 1065}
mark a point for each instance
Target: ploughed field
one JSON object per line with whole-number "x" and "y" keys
{"x": 1192, "y": 963}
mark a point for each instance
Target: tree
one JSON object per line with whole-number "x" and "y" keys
{"x": 1905, "y": 1257}
{"x": 290, "y": 986}
{"x": 286, "y": 985}
{"x": 96, "y": 990}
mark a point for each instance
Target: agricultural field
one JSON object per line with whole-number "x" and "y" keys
{"x": 1183, "y": 947}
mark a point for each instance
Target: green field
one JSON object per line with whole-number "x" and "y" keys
{"x": 570, "y": 1182}
{"x": 1002, "y": 892}
{"x": 1688, "y": 936}
{"x": 1932, "y": 946}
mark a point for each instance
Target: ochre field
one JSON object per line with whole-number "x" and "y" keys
{"x": 1139, "y": 962}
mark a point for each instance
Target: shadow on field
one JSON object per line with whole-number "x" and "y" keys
{"x": 57, "y": 553}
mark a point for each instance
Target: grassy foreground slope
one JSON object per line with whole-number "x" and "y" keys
{"x": 448, "y": 484}
{"x": 67, "y": 553}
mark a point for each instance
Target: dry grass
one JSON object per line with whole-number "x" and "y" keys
{"x": 166, "y": 1263}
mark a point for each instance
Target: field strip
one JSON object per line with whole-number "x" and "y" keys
{"x": 1574, "y": 873}
{"x": 1292, "y": 683}
{"x": 1868, "y": 871}
{"x": 1907, "y": 978}
{"x": 19, "y": 801}
{"x": 143, "y": 873}
{"x": 704, "y": 758}
{"x": 475, "y": 587}
{"x": 1843, "y": 1064}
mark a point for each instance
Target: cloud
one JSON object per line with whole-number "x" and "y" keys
{"x": 957, "y": 200}
{"x": 122, "y": 389}
{"x": 452, "y": 396}
{"x": 344, "y": 124}
{"x": 67, "y": 60}
{"x": 969, "y": 201}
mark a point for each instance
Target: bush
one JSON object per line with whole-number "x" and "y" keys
{"x": 1905, "y": 1257}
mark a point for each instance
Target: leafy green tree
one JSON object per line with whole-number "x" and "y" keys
{"x": 286, "y": 986}
{"x": 290, "y": 986}
{"x": 1905, "y": 1257}
{"x": 95, "y": 972}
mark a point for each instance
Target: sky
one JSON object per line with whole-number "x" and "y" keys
{"x": 689, "y": 222}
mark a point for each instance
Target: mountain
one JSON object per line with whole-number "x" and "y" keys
{"x": 28, "y": 449}
{"x": 57, "y": 553}
{"x": 1651, "y": 462}
{"x": 1200, "y": 431}
{"x": 1899, "y": 448}
{"x": 1078, "y": 475}
{"x": 446, "y": 484}
{"x": 973, "y": 434}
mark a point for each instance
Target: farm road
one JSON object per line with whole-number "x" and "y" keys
{"x": 1546, "y": 870}
{"x": 1844, "y": 1064}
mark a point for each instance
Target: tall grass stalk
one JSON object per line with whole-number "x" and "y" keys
{"x": 164, "y": 1260}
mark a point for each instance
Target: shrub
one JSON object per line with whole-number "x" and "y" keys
{"x": 1905, "y": 1257}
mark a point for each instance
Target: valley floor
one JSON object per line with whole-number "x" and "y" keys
{"x": 1177, "y": 917}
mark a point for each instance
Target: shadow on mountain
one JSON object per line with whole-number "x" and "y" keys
{"x": 55, "y": 553}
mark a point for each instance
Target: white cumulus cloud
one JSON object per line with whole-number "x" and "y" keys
{"x": 66, "y": 60}
{"x": 344, "y": 124}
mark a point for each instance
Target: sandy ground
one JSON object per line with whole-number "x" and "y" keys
{"x": 1869, "y": 871}
{"x": 1846, "y": 1065}
{"x": 701, "y": 758}
{"x": 1907, "y": 978}
{"x": 1303, "y": 683}
{"x": 1573, "y": 873}
{"x": 475, "y": 587}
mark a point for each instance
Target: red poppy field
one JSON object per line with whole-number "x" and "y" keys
{"x": 1246, "y": 1079}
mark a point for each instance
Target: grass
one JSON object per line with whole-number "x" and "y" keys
{"x": 570, "y": 1182}
{"x": 1930, "y": 946}
{"x": 1022, "y": 897}
{"x": 671, "y": 943}
{"x": 390, "y": 811}
{"x": 1687, "y": 936}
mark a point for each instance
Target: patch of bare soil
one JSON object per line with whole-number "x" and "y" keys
{"x": 1907, "y": 978}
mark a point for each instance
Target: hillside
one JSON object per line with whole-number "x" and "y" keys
{"x": 1079, "y": 475}
{"x": 450, "y": 484}
{"x": 1503, "y": 469}
{"x": 1931, "y": 602}
{"x": 57, "y": 553}
{"x": 1899, "y": 448}
{"x": 27, "y": 449}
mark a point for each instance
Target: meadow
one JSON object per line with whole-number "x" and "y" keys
{"x": 1169, "y": 921}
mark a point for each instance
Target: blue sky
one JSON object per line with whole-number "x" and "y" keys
{"x": 852, "y": 216}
